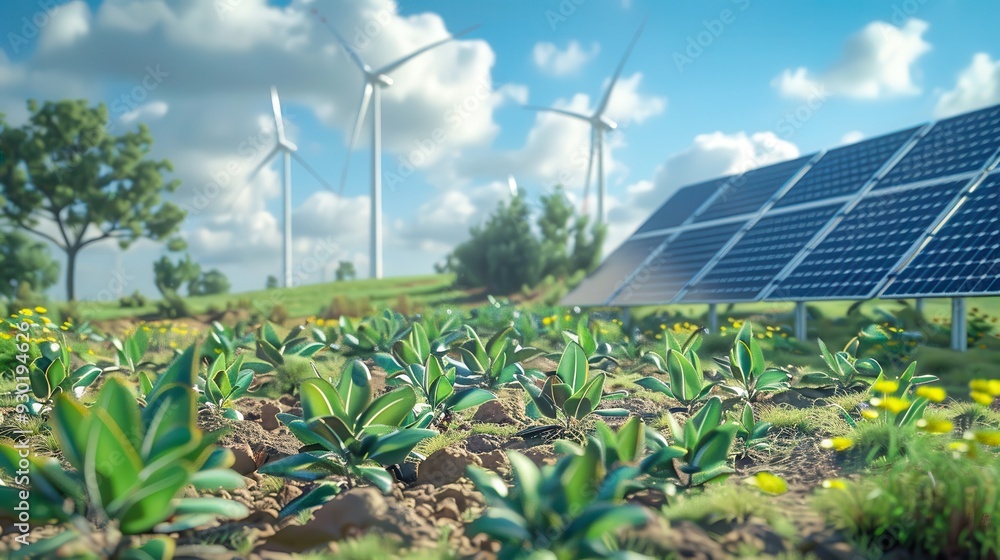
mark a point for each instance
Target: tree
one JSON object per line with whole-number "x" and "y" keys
{"x": 208, "y": 284}
{"x": 272, "y": 283}
{"x": 506, "y": 253}
{"x": 345, "y": 271}
{"x": 169, "y": 276}
{"x": 65, "y": 179}
{"x": 24, "y": 261}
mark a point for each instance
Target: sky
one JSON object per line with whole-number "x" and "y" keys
{"x": 712, "y": 87}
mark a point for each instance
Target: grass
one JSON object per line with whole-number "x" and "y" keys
{"x": 817, "y": 421}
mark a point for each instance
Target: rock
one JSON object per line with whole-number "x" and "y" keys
{"x": 288, "y": 400}
{"x": 464, "y": 496}
{"x": 245, "y": 463}
{"x": 482, "y": 443}
{"x": 493, "y": 412}
{"x": 448, "y": 509}
{"x": 445, "y": 466}
{"x": 495, "y": 461}
{"x": 268, "y": 419}
{"x": 541, "y": 455}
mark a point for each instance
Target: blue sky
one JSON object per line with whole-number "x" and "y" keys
{"x": 712, "y": 87}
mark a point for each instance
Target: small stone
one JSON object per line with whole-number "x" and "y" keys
{"x": 445, "y": 466}
{"x": 448, "y": 509}
{"x": 268, "y": 418}
{"x": 493, "y": 412}
{"x": 482, "y": 443}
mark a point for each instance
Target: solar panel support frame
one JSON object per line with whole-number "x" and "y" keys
{"x": 801, "y": 321}
{"x": 764, "y": 209}
{"x": 848, "y": 206}
{"x": 959, "y": 326}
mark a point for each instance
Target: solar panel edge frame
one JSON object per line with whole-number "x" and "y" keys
{"x": 870, "y": 184}
{"x": 942, "y": 219}
{"x": 761, "y": 212}
{"x": 670, "y": 237}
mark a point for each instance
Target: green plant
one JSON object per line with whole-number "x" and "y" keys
{"x": 751, "y": 433}
{"x": 346, "y": 432}
{"x": 374, "y": 334}
{"x": 932, "y": 504}
{"x": 700, "y": 449}
{"x": 436, "y": 384}
{"x": 564, "y": 511}
{"x": 588, "y": 339}
{"x": 130, "y": 352}
{"x": 51, "y": 373}
{"x": 495, "y": 364}
{"x": 131, "y": 467}
{"x": 273, "y": 350}
{"x": 688, "y": 385}
{"x": 223, "y": 384}
{"x": 569, "y": 396}
{"x": 745, "y": 372}
{"x": 846, "y": 372}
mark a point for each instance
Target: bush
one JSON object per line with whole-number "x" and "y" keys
{"x": 210, "y": 283}
{"x": 134, "y": 300}
{"x": 172, "y": 306}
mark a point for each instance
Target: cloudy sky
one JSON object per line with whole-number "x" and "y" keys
{"x": 711, "y": 88}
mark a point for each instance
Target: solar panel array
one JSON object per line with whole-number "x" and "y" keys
{"x": 915, "y": 213}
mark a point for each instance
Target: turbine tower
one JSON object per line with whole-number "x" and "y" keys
{"x": 599, "y": 124}
{"x": 375, "y": 80}
{"x": 288, "y": 149}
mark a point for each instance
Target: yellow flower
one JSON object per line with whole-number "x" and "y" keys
{"x": 982, "y": 398}
{"x": 41, "y": 309}
{"x": 935, "y": 426}
{"x": 835, "y": 483}
{"x": 26, "y": 312}
{"x": 768, "y": 483}
{"x": 988, "y": 437}
{"x": 933, "y": 394}
{"x": 869, "y": 414}
{"x": 547, "y": 321}
{"x": 885, "y": 386}
{"x": 837, "y": 443}
{"x": 892, "y": 404}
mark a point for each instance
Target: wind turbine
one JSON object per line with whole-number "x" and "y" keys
{"x": 288, "y": 149}
{"x": 375, "y": 80}
{"x": 599, "y": 124}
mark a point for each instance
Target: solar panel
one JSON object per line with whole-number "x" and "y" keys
{"x": 681, "y": 205}
{"x": 961, "y": 144}
{"x": 746, "y": 193}
{"x": 843, "y": 171}
{"x": 963, "y": 257}
{"x": 853, "y": 259}
{"x": 599, "y": 286}
{"x": 682, "y": 258}
{"x": 750, "y": 265}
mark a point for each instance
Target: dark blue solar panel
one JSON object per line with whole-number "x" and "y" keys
{"x": 661, "y": 279}
{"x": 679, "y": 207}
{"x": 845, "y": 170}
{"x": 854, "y": 258}
{"x": 759, "y": 255}
{"x": 963, "y": 258}
{"x": 599, "y": 286}
{"x": 748, "y": 192}
{"x": 957, "y": 145}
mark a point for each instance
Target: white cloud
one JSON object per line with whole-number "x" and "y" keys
{"x": 978, "y": 86}
{"x": 877, "y": 62}
{"x": 548, "y": 58}
{"x": 852, "y": 137}
{"x": 150, "y": 111}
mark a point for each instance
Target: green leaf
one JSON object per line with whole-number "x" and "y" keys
{"x": 215, "y": 506}
{"x": 489, "y": 484}
{"x": 527, "y": 480}
{"x": 269, "y": 335}
{"x": 355, "y": 388}
{"x": 158, "y": 548}
{"x": 584, "y": 337}
{"x": 655, "y": 385}
{"x": 216, "y": 479}
{"x": 586, "y": 400}
{"x": 545, "y": 406}
{"x": 390, "y": 409}
{"x": 573, "y": 367}
{"x": 469, "y": 398}
{"x": 501, "y": 524}
{"x": 319, "y": 399}
{"x": 379, "y": 477}
{"x": 71, "y": 426}
{"x": 319, "y": 495}
{"x": 395, "y": 447}
{"x": 714, "y": 447}
{"x": 303, "y": 466}
{"x": 631, "y": 439}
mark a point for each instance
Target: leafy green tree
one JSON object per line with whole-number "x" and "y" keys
{"x": 209, "y": 283}
{"x": 506, "y": 253}
{"x": 64, "y": 178}
{"x": 170, "y": 276}
{"x": 346, "y": 271}
{"x": 272, "y": 282}
{"x": 24, "y": 261}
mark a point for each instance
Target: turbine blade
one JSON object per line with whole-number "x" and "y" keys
{"x": 311, "y": 171}
{"x": 512, "y": 185}
{"x": 590, "y": 168}
{"x": 279, "y": 124}
{"x": 618, "y": 71}
{"x": 358, "y": 123}
{"x": 394, "y": 65}
{"x": 352, "y": 53}
{"x": 264, "y": 161}
{"x": 560, "y": 111}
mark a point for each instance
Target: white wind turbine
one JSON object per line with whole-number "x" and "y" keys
{"x": 599, "y": 124}
{"x": 288, "y": 149}
{"x": 375, "y": 80}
